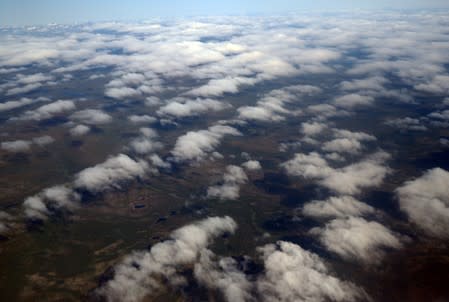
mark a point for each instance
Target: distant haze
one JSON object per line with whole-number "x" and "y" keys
{"x": 28, "y": 12}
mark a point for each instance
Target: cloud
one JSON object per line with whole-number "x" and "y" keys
{"x": 230, "y": 189}
{"x": 91, "y": 117}
{"x": 218, "y": 87}
{"x": 41, "y": 205}
{"x": 355, "y": 238}
{"x": 25, "y": 145}
{"x": 406, "y": 124}
{"x": 142, "y": 119}
{"x": 15, "y": 104}
{"x": 224, "y": 275}
{"x": 426, "y": 201}
{"x": 294, "y": 274}
{"x": 43, "y": 140}
{"x": 336, "y": 207}
{"x": 371, "y": 83}
{"x": 195, "y": 145}
{"x": 312, "y": 129}
{"x": 5, "y": 221}
{"x": 438, "y": 85}
{"x": 180, "y": 109}
{"x": 16, "y": 146}
{"x": 350, "y": 179}
{"x": 48, "y": 111}
{"x": 79, "y": 130}
{"x": 146, "y": 143}
{"x": 110, "y": 174}
{"x": 347, "y": 142}
{"x": 352, "y": 100}
{"x": 140, "y": 274}
{"x": 252, "y": 165}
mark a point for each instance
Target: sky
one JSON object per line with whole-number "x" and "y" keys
{"x": 29, "y": 12}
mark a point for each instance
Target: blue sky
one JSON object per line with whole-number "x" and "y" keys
{"x": 21, "y": 12}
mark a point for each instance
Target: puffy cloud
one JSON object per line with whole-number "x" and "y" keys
{"x": 16, "y": 146}
{"x": 188, "y": 108}
{"x": 252, "y": 165}
{"x": 142, "y": 118}
{"x": 91, "y": 117}
{"x": 352, "y": 100}
{"x": 218, "y": 87}
{"x": 355, "y": 238}
{"x": 140, "y": 273}
{"x": 426, "y": 201}
{"x": 110, "y": 174}
{"x": 79, "y": 130}
{"x": 223, "y": 275}
{"x": 25, "y": 145}
{"x": 43, "y": 140}
{"x": 438, "y": 85}
{"x": 39, "y": 206}
{"x": 15, "y": 104}
{"x": 146, "y": 143}
{"x": 406, "y": 124}
{"x": 294, "y": 274}
{"x": 195, "y": 145}
{"x": 48, "y": 111}
{"x": 230, "y": 189}
{"x": 5, "y": 221}
{"x": 336, "y": 207}
{"x": 311, "y": 129}
{"x": 350, "y": 179}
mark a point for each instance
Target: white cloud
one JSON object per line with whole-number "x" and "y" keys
{"x": 426, "y": 201}
{"x": 313, "y": 128}
{"x": 352, "y": 100}
{"x": 139, "y": 273}
{"x": 15, "y": 104}
{"x": 48, "y": 111}
{"x": 195, "y": 145}
{"x": 355, "y": 238}
{"x": 142, "y": 119}
{"x": 79, "y": 130}
{"x": 43, "y": 140}
{"x": 336, "y": 207}
{"x": 180, "y": 109}
{"x": 252, "y": 165}
{"x": 91, "y": 117}
{"x": 350, "y": 179}
{"x": 16, "y": 146}
{"x": 294, "y": 274}
{"x": 110, "y": 174}
{"x": 230, "y": 189}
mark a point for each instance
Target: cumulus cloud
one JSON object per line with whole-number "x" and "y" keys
{"x": 252, "y": 165}
{"x": 146, "y": 143}
{"x": 110, "y": 174}
{"x": 16, "y": 146}
{"x": 218, "y": 87}
{"x": 142, "y": 118}
{"x": 79, "y": 130}
{"x": 40, "y": 205}
{"x": 195, "y": 145}
{"x": 9, "y": 105}
{"x": 48, "y": 111}
{"x": 294, "y": 274}
{"x": 426, "y": 201}
{"x": 230, "y": 189}
{"x": 312, "y": 129}
{"x": 352, "y": 100}
{"x": 5, "y": 221}
{"x": 346, "y": 141}
{"x": 187, "y": 108}
{"x": 91, "y": 117}
{"x": 25, "y": 145}
{"x": 355, "y": 238}
{"x": 142, "y": 273}
{"x": 406, "y": 124}
{"x": 350, "y": 179}
{"x": 336, "y": 207}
